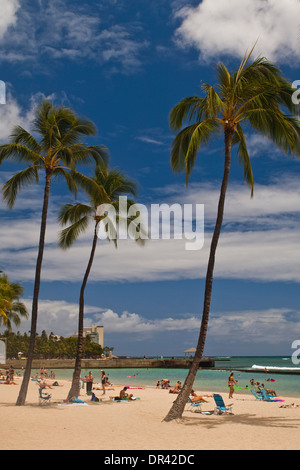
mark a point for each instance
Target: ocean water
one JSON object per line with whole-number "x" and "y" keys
{"x": 210, "y": 380}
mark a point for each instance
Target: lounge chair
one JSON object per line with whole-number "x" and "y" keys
{"x": 221, "y": 408}
{"x": 194, "y": 406}
{"x": 44, "y": 398}
{"x": 265, "y": 396}
{"x": 257, "y": 395}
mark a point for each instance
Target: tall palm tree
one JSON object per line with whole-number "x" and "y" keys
{"x": 111, "y": 184}
{"x": 56, "y": 154}
{"x": 256, "y": 95}
{"x": 11, "y": 309}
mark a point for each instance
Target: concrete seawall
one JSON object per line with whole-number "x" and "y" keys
{"x": 109, "y": 363}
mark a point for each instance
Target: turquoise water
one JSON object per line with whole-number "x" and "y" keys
{"x": 206, "y": 380}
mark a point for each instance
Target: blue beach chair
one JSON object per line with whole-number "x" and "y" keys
{"x": 265, "y": 395}
{"x": 258, "y": 396}
{"x": 195, "y": 406}
{"x": 221, "y": 408}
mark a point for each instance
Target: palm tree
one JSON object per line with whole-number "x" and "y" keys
{"x": 256, "y": 96}
{"x": 111, "y": 185}
{"x": 11, "y": 309}
{"x": 56, "y": 154}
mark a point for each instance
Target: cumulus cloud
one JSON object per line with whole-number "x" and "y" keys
{"x": 8, "y": 15}
{"x": 11, "y": 114}
{"x": 268, "y": 326}
{"x": 260, "y": 241}
{"x": 60, "y": 317}
{"x": 217, "y": 28}
{"x": 255, "y": 326}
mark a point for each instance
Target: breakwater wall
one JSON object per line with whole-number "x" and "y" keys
{"x": 116, "y": 363}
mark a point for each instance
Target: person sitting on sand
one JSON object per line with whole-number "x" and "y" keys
{"x": 165, "y": 383}
{"x": 125, "y": 395}
{"x": 9, "y": 380}
{"x": 269, "y": 392}
{"x": 177, "y": 387}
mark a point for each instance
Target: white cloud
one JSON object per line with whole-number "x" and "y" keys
{"x": 268, "y": 326}
{"x": 149, "y": 140}
{"x": 12, "y": 114}
{"x": 60, "y": 317}
{"x": 260, "y": 241}
{"x": 219, "y": 28}
{"x": 56, "y": 316}
{"x": 8, "y": 15}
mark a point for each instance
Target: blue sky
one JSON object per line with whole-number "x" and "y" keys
{"x": 124, "y": 65}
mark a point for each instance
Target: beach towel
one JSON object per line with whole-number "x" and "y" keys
{"x": 72, "y": 404}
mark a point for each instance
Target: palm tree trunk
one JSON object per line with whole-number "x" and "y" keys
{"x": 24, "y": 386}
{"x": 74, "y": 390}
{"x": 179, "y": 404}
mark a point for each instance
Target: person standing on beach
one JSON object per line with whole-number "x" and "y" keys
{"x": 89, "y": 383}
{"x": 231, "y": 383}
{"x": 103, "y": 381}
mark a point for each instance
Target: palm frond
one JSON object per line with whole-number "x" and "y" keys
{"x": 187, "y": 143}
{"x": 20, "y": 154}
{"x": 60, "y": 172}
{"x": 283, "y": 130}
{"x": 70, "y": 234}
{"x": 185, "y": 111}
{"x": 23, "y": 137}
{"x": 212, "y": 104}
{"x": 71, "y": 213}
{"x": 19, "y": 180}
{"x": 95, "y": 192}
{"x": 242, "y": 154}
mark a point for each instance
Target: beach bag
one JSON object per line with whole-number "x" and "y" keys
{"x": 94, "y": 398}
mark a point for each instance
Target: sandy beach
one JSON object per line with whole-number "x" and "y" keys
{"x": 137, "y": 425}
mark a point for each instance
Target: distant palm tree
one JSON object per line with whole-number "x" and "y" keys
{"x": 57, "y": 153}
{"x": 111, "y": 184}
{"x": 255, "y": 95}
{"x": 11, "y": 309}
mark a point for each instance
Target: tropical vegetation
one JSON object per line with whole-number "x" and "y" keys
{"x": 104, "y": 208}
{"x": 51, "y": 346}
{"x": 54, "y": 148}
{"x": 254, "y": 97}
{"x": 11, "y": 309}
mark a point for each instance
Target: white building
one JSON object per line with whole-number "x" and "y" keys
{"x": 96, "y": 333}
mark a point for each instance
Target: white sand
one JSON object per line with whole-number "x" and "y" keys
{"x": 138, "y": 425}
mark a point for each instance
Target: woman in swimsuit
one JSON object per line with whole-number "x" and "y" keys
{"x": 103, "y": 381}
{"x": 231, "y": 383}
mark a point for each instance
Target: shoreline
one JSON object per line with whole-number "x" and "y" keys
{"x": 139, "y": 425}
